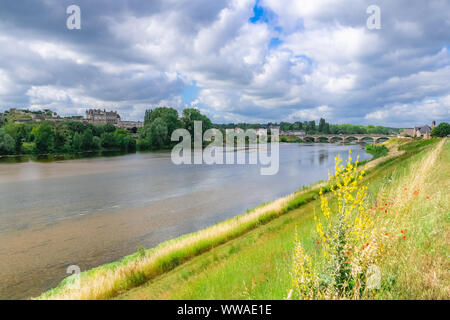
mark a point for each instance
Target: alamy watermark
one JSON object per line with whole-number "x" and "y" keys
{"x": 373, "y": 277}
{"x": 374, "y": 20}
{"x": 73, "y": 22}
{"x": 74, "y": 281}
{"x": 251, "y": 146}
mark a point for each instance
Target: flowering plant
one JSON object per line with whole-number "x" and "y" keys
{"x": 346, "y": 240}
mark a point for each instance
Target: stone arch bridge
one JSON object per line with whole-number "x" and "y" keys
{"x": 344, "y": 137}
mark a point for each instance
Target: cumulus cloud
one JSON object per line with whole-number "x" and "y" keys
{"x": 312, "y": 114}
{"x": 287, "y": 60}
{"x": 426, "y": 110}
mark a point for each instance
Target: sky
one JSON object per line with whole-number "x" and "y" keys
{"x": 235, "y": 60}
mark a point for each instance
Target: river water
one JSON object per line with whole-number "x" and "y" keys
{"x": 88, "y": 212}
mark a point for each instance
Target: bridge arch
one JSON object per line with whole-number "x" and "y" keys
{"x": 322, "y": 138}
{"x": 350, "y": 139}
{"x": 366, "y": 139}
{"x": 336, "y": 138}
{"x": 309, "y": 139}
{"x": 380, "y": 139}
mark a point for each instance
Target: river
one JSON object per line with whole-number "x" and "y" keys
{"x": 88, "y": 212}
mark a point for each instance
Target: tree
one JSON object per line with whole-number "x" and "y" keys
{"x": 7, "y": 143}
{"x": 18, "y": 132}
{"x": 127, "y": 143}
{"x": 297, "y": 126}
{"x": 442, "y": 130}
{"x": 87, "y": 140}
{"x": 44, "y": 136}
{"x": 109, "y": 128}
{"x": 285, "y": 126}
{"x": 62, "y": 139}
{"x": 108, "y": 140}
{"x": 97, "y": 143}
{"x": 169, "y": 115}
{"x": 158, "y": 133}
{"x": 190, "y": 115}
{"x": 76, "y": 142}
{"x": 311, "y": 126}
{"x": 321, "y": 125}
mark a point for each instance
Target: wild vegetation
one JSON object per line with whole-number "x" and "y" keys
{"x": 376, "y": 151}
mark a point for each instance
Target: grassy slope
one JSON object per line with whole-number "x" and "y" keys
{"x": 417, "y": 266}
{"x": 257, "y": 265}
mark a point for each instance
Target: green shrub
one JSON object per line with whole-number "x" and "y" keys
{"x": 442, "y": 130}
{"x": 27, "y": 148}
{"x": 376, "y": 151}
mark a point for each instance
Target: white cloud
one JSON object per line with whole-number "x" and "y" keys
{"x": 311, "y": 114}
{"x": 427, "y": 111}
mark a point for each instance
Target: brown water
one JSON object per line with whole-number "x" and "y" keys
{"x": 92, "y": 211}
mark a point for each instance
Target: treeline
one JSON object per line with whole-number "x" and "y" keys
{"x": 72, "y": 137}
{"x": 62, "y": 138}
{"x": 311, "y": 127}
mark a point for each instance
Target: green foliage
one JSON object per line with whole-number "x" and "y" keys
{"x": 76, "y": 142}
{"x": 108, "y": 140}
{"x": 168, "y": 115}
{"x": 158, "y": 133}
{"x": 27, "y": 148}
{"x": 87, "y": 141}
{"x": 376, "y": 151}
{"x": 191, "y": 115}
{"x": 64, "y": 138}
{"x": 7, "y": 143}
{"x": 44, "y": 137}
{"x": 324, "y": 127}
{"x": 141, "y": 252}
{"x": 442, "y": 130}
{"x": 161, "y": 122}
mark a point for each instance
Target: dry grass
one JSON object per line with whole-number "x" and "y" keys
{"x": 416, "y": 229}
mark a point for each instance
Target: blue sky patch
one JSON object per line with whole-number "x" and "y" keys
{"x": 260, "y": 14}
{"x": 274, "y": 43}
{"x": 190, "y": 93}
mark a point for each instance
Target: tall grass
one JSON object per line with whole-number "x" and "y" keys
{"x": 388, "y": 238}
{"x": 416, "y": 264}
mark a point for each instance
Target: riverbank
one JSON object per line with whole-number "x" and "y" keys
{"x": 212, "y": 259}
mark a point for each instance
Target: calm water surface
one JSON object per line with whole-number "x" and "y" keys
{"x": 92, "y": 211}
